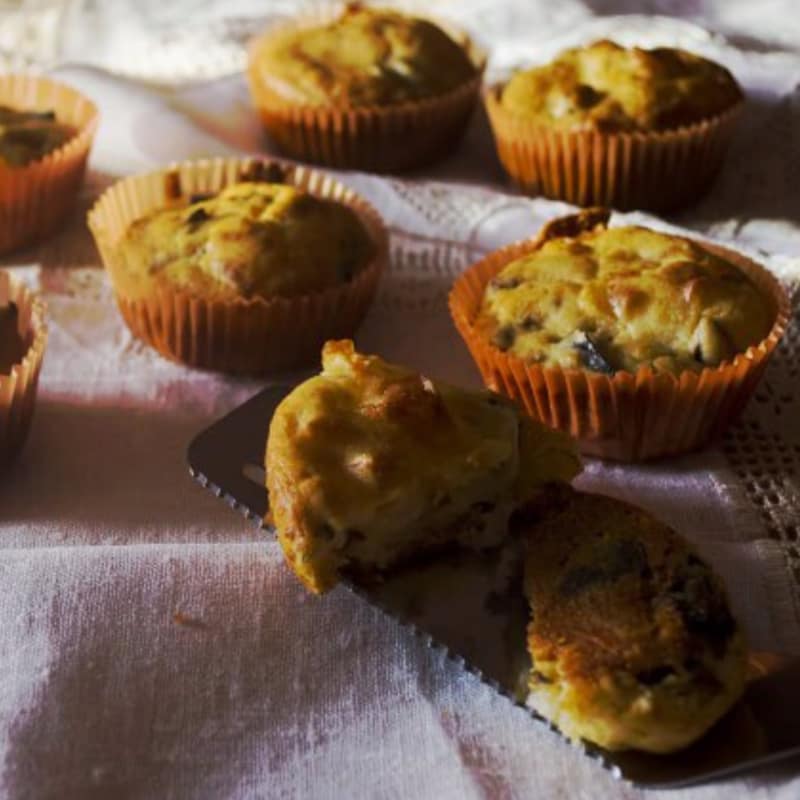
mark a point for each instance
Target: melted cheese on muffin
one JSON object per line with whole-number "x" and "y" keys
{"x": 370, "y": 463}
{"x": 252, "y": 239}
{"x": 612, "y": 88}
{"x": 631, "y": 638}
{"x": 27, "y": 136}
{"x": 364, "y": 57}
{"x": 609, "y": 299}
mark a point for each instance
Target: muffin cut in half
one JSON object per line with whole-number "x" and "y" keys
{"x": 369, "y": 464}
{"x": 632, "y": 642}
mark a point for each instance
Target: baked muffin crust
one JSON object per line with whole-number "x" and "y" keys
{"x": 631, "y": 639}
{"x": 370, "y": 463}
{"x": 611, "y": 299}
{"x": 606, "y": 87}
{"x": 365, "y": 57}
{"x": 252, "y": 239}
{"x": 27, "y": 136}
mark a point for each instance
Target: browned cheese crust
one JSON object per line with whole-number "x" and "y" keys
{"x": 611, "y": 299}
{"x": 364, "y": 57}
{"x": 632, "y": 642}
{"x": 609, "y": 88}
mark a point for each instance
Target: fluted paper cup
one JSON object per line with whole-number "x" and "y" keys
{"x": 18, "y": 386}
{"x": 656, "y": 171}
{"x": 246, "y": 335}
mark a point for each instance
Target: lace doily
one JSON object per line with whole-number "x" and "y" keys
{"x": 764, "y": 449}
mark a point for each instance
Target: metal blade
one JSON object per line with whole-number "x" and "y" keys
{"x": 472, "y": 607}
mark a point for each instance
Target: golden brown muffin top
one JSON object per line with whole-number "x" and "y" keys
{"x": 27, "y": 136}
{"x": 12, "y": 346}
{"x": 606, "y": 87}
{"x": 662, "y": 602}
{"x": 365, "y": 57}
{"x": 252, "y": 239}
{"x": 611, "y": 299}
{"x": 631, "y": 637}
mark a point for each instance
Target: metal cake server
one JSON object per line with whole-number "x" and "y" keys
{"x": 435, "y": 598}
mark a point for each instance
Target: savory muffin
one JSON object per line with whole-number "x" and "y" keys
{"x": 606, "y": 87}
{"x": 610, "y": 299}
{"x": 638, "y": 344}
{"x": 369, "y": 463}
{"x": 251, "y": 239}
{"x": 364, "y": 88}
{"x": 27, "y": 136}
{"x": 632, "y": 642}
{"x": 241, "y": 265}
{"x": 365, "y": 57}
{"x": 46, "y": 131}
{"x": 614, "y": 126}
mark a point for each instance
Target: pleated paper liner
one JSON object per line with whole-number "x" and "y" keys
{"x": 625, "y": 416}
{"x": 18, "y": 388}
{"x": 386, "y": 138}
{"x": 658, "y": 171}
{"x": 36, "y": 197}
{"x": 254, "y": 335}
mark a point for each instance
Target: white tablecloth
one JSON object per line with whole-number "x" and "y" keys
{"x": 152, "y": 644}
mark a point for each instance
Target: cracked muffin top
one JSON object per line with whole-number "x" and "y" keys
{"x": 364, "y": 57}
{"x": 27, "y": 136}
{"x": 606, "y": 87}
{"x": 612, "y": 299}
{"x": 252, "y": 239}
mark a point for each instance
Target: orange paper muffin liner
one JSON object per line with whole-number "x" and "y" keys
{"x": 246, "y": 335}
{"x": 625, "y": 416}
{"x": 18, "y": 388}
{"x": 657, "y": 171}
{"x": 386, "y": 138}
{"x": 36, "y": 197}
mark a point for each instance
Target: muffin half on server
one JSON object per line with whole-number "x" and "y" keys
{"x": 239, "y": 266}
{"x": 623, "y": 127}
{"x": 367, "y": 88}
{"x": 370, "y": 464}
{"x": 632, "y": 642}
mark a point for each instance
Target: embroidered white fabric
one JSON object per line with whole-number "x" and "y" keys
{"x": 151, "y": 643}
